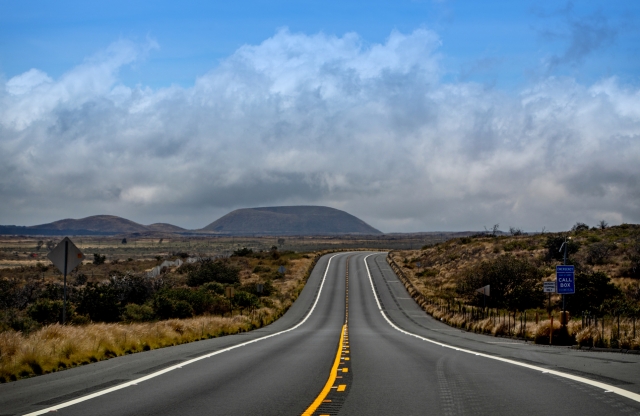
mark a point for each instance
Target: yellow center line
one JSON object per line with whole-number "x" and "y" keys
{"x": 342, "y": 348}
{"x": 332, "y": 379}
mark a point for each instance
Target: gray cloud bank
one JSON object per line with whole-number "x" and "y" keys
{"x": 318, "y": 119}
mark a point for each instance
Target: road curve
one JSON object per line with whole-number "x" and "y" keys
{"x": 397, "y": 373}
{"x": 393, "y": 369}
{"x": 279, "y": 375}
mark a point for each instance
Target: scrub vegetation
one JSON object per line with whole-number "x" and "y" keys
{"x": 445, "y": 277}
{"x": 122, "y": 310}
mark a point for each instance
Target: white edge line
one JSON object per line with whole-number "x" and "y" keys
{"x": 182, "y": 364}
{"x": 607, "y": 387}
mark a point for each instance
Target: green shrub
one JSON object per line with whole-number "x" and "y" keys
{"x": 214, "y": 287}
{"x": 98, "y": 259}
{"x": 553, "y": 244}
{"x": 213, "y": 271}
{"x": 100, "y": 302}
{"x": 138, "y": 313}
{"x": 46, "y": 311}
{"x": 243, "y": 252}
{"x": 261, "y": 269}
{"x": 515, "y": 283}
{"x": 592, "y": 290}
{"x": 245, "y": 300}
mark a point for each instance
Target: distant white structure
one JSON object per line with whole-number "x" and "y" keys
{"x": 155, "y": 272}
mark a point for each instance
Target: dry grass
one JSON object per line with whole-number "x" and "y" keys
{"x": 443, "y": 265}
{"x": 56, "y": 347}
{"x": 499, "y": 325}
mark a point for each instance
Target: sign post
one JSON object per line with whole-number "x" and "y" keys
{"x": 65, "y": 256}
{"x": 565, "y": 281}
{"x": 486, "y": 291}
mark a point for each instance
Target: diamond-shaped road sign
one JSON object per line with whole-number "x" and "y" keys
{"x": 485, "y": 290}
{"x": 74, "y": 255}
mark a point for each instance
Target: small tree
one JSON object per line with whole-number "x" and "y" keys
{"x": 515, "y": 231}
{"x": 579, "y": 227}
{"x": 213, "y": 271}
{"x": 553, "y": 244}
{"x": 592, "y": 289}
{"x": 603, "y": 225}
{"x": 515, "y": 283}
{"x": 98, "y": 259}
{"x": 599, "y": 253}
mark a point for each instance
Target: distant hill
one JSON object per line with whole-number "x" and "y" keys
{"x": 290, "y": 220}
{"x": 94, "y": 225}
{"x": 161, "y": 227}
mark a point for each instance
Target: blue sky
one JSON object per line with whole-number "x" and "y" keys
{"x": 414, "y": 115}
{"x": 499, "y": 42}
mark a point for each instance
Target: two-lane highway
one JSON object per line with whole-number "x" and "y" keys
{"x": 392, "y": 360}
{"x": 395, "y": 372}
{"x": 281, "y": 374}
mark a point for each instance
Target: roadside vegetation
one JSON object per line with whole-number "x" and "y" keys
{"x": 116, "y": 308}
{"x": 445, "y": 278}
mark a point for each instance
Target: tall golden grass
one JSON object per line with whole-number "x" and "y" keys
{"x": 57, "y": 347}
{"x": 590, "y": 336}
{"x": 619, "y": 334}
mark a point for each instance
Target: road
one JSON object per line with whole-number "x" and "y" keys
{"x": 394, "y": 360}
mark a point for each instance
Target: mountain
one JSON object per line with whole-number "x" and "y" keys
{"x": 97, "y": 223}
{"x": 290, "y": 220}
{"x": 161, "y": 227}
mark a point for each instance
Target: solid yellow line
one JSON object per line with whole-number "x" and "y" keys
{"x": 332, "y": 379}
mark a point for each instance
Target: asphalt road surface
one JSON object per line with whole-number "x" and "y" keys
{"x": 400, "y": 362}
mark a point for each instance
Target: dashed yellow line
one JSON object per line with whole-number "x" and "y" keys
{"x": 332, "y": 379}
{"x": 343, "y": 348}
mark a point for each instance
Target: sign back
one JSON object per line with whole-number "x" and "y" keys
{"x": 73, "y": 255}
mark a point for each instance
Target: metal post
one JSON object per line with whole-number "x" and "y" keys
{"x": 64, "y": 302}
{"x": 563, "y": 321}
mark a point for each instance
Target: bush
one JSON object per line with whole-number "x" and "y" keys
{"x": 183, "y": 309}
{"x": 131, "y": 289}
{"x": 213, "y": 271}
{"x": 599, "y": 253}
{"x": 261, "y": 269}
{"x": 46, "y": 311}
{"x": 138, "y": 313}
{"x": 515, "y": 284}
{"x": 100, "y": 302}
{"x": 98, "y": 259}
{"x": 592, "y": 290}
{"x": 553, "y": 244}
{"x": 214, "y": 287}
{"x": 580, "y": 227}
{"x": 243, "y": 252}
{"x": 245, "y": 300}
{"x": 200, "y": 301}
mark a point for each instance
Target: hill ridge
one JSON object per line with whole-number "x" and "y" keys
{"x": 290, "y": 220}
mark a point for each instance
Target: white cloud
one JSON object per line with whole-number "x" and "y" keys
{"x": 319, "y": 119}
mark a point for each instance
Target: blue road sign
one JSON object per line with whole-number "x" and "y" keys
{"x": 565, "y": 282}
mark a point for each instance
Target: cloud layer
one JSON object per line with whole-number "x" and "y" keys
{"x": 318, "y": 119}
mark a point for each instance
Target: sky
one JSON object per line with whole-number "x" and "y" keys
{"x": 412, "y": 115}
